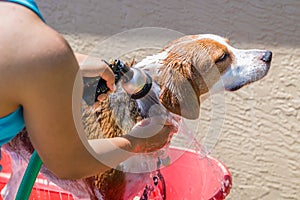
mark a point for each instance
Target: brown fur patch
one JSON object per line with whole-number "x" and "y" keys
{"x": 189, "y": 70}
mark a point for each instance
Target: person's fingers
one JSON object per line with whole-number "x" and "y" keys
{"x": 162, "y": 140}
{"x": 108, "y": 75}
{"x": 154, "y": 125}
{"x": 102, "y": 97}
{"x": 149, "y": 138}
{"x": 144, "y": 122}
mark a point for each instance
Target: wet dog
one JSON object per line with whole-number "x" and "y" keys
{"x": 183, "y": 71}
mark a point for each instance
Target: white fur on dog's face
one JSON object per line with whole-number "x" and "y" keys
{"x": 247, "y": 66}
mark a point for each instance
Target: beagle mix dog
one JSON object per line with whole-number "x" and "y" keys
{"x": 185, "y": 70}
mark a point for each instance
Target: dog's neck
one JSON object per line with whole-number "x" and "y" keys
{"x": 152, "y": 65}
{"x": 156, "y": 67}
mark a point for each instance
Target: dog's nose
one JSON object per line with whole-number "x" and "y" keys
{"x": 267, "y": 57}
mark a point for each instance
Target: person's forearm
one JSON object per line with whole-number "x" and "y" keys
{"x": 89, "y": 65}
{"x": 80, "y": 57}
{"x": 112, "y": 151}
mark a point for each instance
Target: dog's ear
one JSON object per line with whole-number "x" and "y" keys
{"x": 178, "y": 93}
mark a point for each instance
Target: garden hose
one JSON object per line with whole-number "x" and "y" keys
{"x": 29, "y": 177}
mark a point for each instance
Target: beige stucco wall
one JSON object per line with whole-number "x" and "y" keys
{"x": 260, "y": 140}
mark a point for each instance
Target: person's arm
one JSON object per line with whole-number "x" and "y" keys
{"x": 149, "y": 135}
{"x": 51, "y": 102}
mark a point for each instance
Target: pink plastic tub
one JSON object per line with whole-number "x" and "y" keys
{"x": 187, "y": 178}
{"x": 191, "y": 177}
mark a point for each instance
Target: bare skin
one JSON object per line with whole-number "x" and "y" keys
{"x": 38, "y": 71}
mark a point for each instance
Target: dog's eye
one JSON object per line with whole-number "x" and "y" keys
{"x": 222, "y": 58}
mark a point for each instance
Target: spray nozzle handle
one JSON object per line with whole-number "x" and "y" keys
{"x": 101, "y": 88}
{"x": 119, "y": 69}
{"x": 135, "y": 82}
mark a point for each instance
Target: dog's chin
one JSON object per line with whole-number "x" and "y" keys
{"x": 236, "y": 86}
{"x": 245, "y": 79}
{"x": 233, "y": 88}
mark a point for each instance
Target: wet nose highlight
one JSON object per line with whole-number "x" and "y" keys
{"x": 267, "y": 57}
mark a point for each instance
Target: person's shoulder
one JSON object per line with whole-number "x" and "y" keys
{"x": 34, "y": 54}
{"x": 49, "y": 47}
{"x": 47, "y": 62}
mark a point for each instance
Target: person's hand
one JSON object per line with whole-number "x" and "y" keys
{"x": 107, "y": 74}
{"x": 93, "y": 67}
{"x": 151, "y": 134}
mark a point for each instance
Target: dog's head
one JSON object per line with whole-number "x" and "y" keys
{"x": 198, "y": 64}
